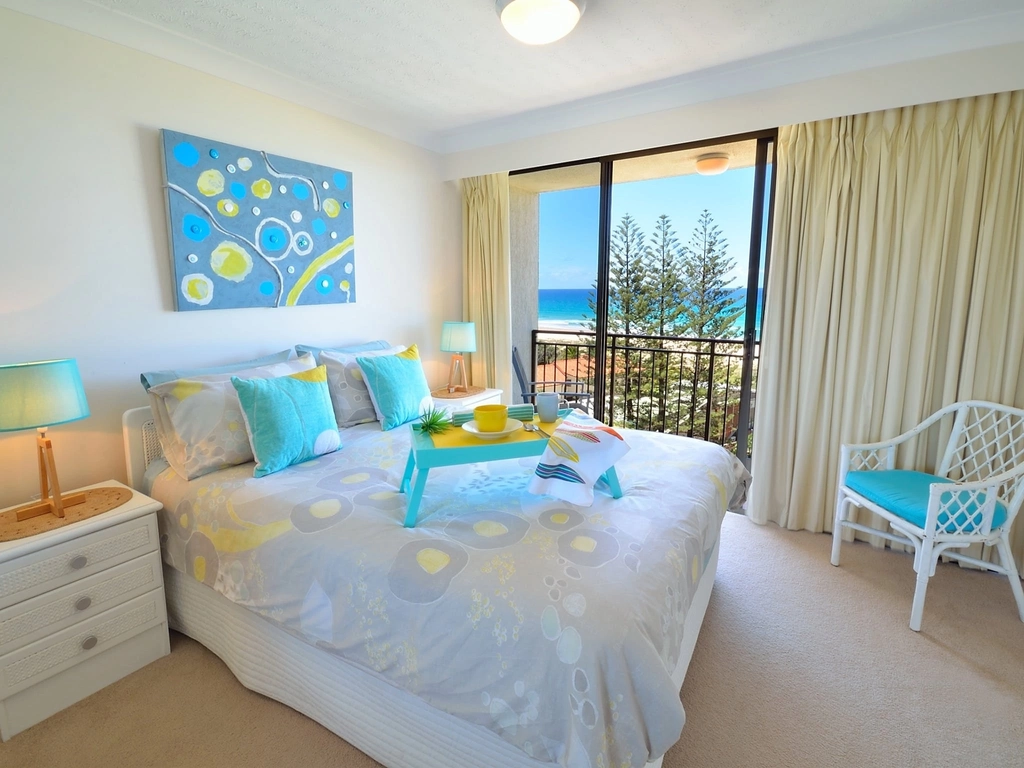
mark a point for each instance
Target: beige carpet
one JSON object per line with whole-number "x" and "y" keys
{"x": 799, "y": 664}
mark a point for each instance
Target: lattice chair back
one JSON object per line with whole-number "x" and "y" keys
{"x": 986, "y": 443}
{"x": 984, "y": 457}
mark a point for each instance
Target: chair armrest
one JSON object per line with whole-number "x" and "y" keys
{"x": 866, "y": 457}
{"x": 893, "y": 442}
{"x": 963, "y": 508}
{"x": 882, "y": 454}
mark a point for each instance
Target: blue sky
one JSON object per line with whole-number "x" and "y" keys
{"x": 568, "y": 220}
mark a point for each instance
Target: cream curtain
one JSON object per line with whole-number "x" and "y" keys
{"x": 487, "y": 292}
{"x": 896, "y": 286}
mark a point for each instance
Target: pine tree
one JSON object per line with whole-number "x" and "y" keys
{"x": 630, "y": 294}
{"x": 658, "y": 287}
{"x": 709, "y": 312}
{"x": 630, "y": 308}
{"x": 664, "y": 256}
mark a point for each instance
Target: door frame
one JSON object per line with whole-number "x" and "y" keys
{"x": 765, "y": 138}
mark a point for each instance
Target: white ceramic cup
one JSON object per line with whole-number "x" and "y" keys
{"x": 547, "y": 406}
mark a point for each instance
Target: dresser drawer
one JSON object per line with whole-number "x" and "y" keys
{"x": 34, "y": 663}
{"x": 51, "y": 612}
{"x": 39, "y": 572}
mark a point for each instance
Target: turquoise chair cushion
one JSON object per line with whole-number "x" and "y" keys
{"x": 905, "y": 494}
{"x": 289, "y": 419}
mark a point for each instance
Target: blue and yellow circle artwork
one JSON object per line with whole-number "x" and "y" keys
{"x": 249, "y": 228}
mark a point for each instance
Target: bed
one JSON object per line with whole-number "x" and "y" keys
{"x": 506, "y": 629}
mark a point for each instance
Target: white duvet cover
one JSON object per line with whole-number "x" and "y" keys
{"x": 554, "y": 626}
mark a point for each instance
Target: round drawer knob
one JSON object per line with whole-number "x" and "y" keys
{"x": 89, "y": 643}
{"x": 78, "y": 562}
{"x": 82, "y": 603}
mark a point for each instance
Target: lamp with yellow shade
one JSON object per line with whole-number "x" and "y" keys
{"x": 38, "y": 396}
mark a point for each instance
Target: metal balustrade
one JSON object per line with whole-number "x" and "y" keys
{"x": 679, "y": 385}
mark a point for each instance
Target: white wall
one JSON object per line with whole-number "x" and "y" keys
{"x": 970, "y": 73}
{"x": 84, "y": 268}
{"x": 524, "y": 226}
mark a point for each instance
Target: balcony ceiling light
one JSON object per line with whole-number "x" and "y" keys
{"x": 712, "y": 164}
{"x": 538, "y": 22}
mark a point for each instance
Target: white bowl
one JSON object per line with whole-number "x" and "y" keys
{"x": 512, "y": 425}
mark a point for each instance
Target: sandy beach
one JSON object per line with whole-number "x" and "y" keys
{"x": 562, "y": 325}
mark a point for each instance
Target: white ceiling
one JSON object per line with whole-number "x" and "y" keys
{"x": 444, "y": 74}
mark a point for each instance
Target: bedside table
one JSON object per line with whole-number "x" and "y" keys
{"x": 80, "y": 607}
{"x": 469, "y": 402}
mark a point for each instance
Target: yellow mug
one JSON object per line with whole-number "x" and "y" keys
{"x": 490, "y": 418}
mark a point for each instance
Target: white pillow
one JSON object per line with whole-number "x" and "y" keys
{"x": 199, "y": 420}
{"x": 349, "y": 396}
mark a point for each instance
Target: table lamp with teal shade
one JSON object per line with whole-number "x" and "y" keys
{"x": 38, "y": 396}
{"x": 458, "y": 338}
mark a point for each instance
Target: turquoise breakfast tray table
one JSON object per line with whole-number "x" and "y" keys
{"x": 424, "y": 456}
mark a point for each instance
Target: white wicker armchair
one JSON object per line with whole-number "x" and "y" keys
{"x": 972, "y": 498}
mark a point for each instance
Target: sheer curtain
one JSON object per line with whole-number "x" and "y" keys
{"x": 896, "y": 286}
{"x": 487, "y": 289}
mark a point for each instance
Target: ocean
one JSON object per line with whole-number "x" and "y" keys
{"x": 567, "y": 307}
{"x": 564, "y": 305}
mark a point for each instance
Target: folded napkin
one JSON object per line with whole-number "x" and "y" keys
{"x": 580, "y": 450}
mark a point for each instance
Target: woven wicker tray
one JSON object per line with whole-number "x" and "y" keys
{"x": 444, "y": 394}
{"x": 97, "y": 501}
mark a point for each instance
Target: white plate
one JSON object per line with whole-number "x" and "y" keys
{"x": 512, "y": 425}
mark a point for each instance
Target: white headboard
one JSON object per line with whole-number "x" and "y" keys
{"x": 141, "y": 444}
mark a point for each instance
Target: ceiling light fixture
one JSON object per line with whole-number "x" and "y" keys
{"x": 538, "y": 22}
{"x": 712, "y": 164}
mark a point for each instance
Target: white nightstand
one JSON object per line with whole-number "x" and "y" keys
{"x": 468, "y": 402}
{"x": 80, "y": 607}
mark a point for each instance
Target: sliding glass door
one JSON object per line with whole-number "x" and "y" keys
{"x": 554, "y": 221}
{"x": 667, "y": 333}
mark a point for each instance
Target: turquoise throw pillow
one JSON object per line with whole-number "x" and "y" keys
{"x": 289, "y": 419}
{"x": 397, "y": 386}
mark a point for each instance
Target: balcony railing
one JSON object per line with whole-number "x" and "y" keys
{"x": 684, "y": 386}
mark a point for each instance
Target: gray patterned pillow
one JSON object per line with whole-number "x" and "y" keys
{"x": 351, "y": 398}
{"x": 199, "y": 420}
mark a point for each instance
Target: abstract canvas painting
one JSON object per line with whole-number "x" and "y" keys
{"x": 250, "y": 229}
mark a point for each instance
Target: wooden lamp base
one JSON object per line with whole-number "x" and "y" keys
{"x": 457, "y": 375}
{"x": 47, "y": 504}
{"x": 52, "y": 506}
{"x": 457, "y": 386}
